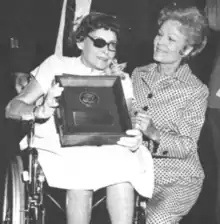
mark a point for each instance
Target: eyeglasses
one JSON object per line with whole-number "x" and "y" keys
{"x": 100, "y": 43}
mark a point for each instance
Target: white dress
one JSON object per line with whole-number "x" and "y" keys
{"x": 86, "y": 167}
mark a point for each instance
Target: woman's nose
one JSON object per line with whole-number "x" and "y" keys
{"x": 105, "y": 49}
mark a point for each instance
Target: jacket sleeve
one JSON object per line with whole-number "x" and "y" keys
{"x": 181, "y": 143}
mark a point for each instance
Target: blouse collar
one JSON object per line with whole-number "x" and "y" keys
{"x": 183, "y": 73}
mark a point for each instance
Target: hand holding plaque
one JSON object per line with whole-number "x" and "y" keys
{"x": 132, "y": 141}
{"x": 54, "y": 92}
{"x": 144, "y": 123}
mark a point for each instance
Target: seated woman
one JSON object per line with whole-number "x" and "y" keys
{"x": 170, "y": 109}
{"x": 84, "y": 169}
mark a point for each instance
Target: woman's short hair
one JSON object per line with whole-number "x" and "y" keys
{"x": 194, "y": 25}
{"x": 95, "y": 21}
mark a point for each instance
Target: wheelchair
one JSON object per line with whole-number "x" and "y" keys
{"x": 26, "y": 193}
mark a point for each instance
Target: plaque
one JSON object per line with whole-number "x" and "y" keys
{"x": 92, "y": 110}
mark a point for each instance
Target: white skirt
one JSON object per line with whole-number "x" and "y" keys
{"x": 92, "y": 167}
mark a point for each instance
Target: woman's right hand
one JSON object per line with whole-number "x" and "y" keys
{"x": 47, "y": 109}
{"x": 51, "y": 97}
{"x": 144, "y": 123}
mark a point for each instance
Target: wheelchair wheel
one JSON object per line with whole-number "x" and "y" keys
{"x": 140, "y": 211}
{"x": 14, "y": 194}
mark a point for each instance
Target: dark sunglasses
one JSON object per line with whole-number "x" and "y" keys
{"x": 100, "y": 43}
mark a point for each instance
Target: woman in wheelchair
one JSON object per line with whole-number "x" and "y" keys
{"x": 81, "y": 170}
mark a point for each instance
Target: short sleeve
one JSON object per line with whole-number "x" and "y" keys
{"x": 127, "y": 87}
{"x": 46, "y": 72}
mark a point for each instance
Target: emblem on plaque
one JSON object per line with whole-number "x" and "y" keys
{"x": 88, "y": 98}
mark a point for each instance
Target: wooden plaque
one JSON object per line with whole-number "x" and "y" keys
{"x": 92, "y": 110}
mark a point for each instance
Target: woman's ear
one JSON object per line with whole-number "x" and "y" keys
{"x": 201, "y": 47}
{"x": 80, "y": 45}
{"x": 186, "y": 51}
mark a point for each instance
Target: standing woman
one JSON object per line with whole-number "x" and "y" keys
{"x": 170, "y": 109}
{"x": 83, "y": 169}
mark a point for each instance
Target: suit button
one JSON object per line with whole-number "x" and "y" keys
{"x": 145, "y": 108}
{"x": 165, "y": 153}
{"x": 150, "y": 95}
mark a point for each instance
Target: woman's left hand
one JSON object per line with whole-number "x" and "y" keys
{"x": 116, "y": 69}
{"x": 132, "y": 141}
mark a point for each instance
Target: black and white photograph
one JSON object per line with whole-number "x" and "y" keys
{"x": 110, "y": 112}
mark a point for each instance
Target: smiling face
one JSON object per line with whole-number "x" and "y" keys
{"x": 169, "y": 43}
{"x": 95, "y": 57}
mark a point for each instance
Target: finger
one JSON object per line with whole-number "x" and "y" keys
{"x": 125, "y": 143}
{"x": 56, "y": 86}
{"x": 128, "y": 141}
{"x": 132, "y": 143}
{"x": 115, "y": 61}
{"x": 133, "y": 122}
{"x": 143, "y": 123}
{"x": 51, "y": 101}
{"x": 117, "y": 70}
{"x": 133, "y": 132}
{"x": 143, "y": 115}
{"x": 138, "y": 126}
{"x": 55, "y": 91}
{"x": 141, "y": 126}
{"x": 142, "y": 119}
{"x": 58, "y": 92}
{"x": 122, "y": 66}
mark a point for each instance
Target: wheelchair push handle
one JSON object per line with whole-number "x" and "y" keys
{"x": 30, "y": 134}
{"x": 29, "y": 120}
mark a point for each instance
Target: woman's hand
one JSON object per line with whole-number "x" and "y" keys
{"x": 144, "y": 123}
{"x": 46, "y": 110}
{"x": 116, "y": 69}
{"x": 133, "y": 141}
{"x": 51, "y": 97}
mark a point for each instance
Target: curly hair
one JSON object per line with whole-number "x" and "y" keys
{"x": 95, "y": 21}
{"x": 194, "y": 25}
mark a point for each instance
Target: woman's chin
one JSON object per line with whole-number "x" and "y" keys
{"x": 161, "y": 59}
{"x": 157, "y": 58}
{"x": 101, "y": 67}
